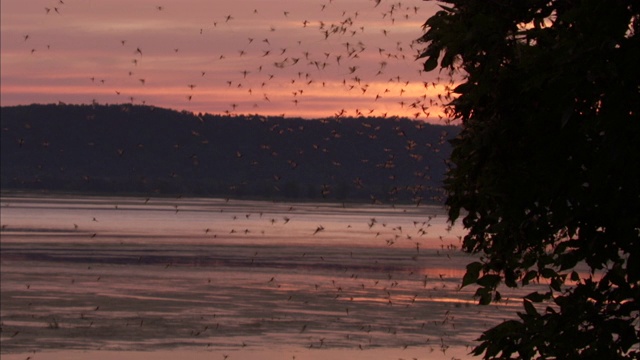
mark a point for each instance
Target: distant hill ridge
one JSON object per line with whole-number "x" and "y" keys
{"x": 131, "y": 149}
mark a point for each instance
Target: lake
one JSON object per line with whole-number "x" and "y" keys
{"x": 128, "y": 278}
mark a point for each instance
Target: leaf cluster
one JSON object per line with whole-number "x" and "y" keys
{"x": 546, "y": 168}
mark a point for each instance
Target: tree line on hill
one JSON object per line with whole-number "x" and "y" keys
{"x": 131, "y": 149}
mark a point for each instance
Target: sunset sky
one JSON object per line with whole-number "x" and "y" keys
{"x": 303, "y": 58}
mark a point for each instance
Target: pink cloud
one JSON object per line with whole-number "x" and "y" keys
{"x": 301, "y": 58}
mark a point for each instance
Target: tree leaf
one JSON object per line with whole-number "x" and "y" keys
{"x": 431, "y": 63}
{"x": 535, "y": 297}
{"x": 489, "y": 280}
{"x": 575, "y": 276}
{"x": 529, "y": 308}
{"x": 556, "y": 283}
{"x": 485, "y": 296}
{"x": 531, "y": 274}
{"x": 548, "y": 273}
{"x": 472, "y": 274}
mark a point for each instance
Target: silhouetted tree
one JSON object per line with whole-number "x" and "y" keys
{"x": 546, "y": 170}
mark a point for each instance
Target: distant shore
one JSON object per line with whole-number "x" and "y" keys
{"x": 148, "y": 151}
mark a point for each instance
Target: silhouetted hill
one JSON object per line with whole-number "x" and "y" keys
{"x": 150, "y": 150}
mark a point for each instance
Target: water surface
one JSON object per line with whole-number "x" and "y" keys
{"x": 107, "y": 277}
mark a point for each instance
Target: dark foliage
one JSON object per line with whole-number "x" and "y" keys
{"x": 546, "y": 169}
